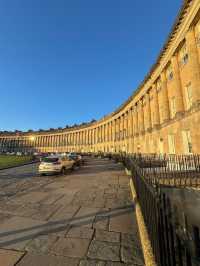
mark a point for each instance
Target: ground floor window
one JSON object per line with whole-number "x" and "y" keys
{"x": 187, "y": 141}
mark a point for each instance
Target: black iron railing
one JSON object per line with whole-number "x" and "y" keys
{"x": 168, "y": 170}
{"x": 173, "y": 226}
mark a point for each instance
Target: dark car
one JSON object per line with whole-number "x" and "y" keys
{"x": 76, "y": 157}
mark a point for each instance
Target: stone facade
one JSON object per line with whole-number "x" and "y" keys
{"x": 162, "y": 116}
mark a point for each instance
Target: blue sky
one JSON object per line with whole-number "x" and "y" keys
{"x": 64, "y": 62}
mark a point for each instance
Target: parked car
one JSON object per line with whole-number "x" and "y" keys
{"x": 76, "y": 157}
{"x": 55, "y": 164}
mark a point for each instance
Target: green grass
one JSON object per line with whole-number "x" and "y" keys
{"x": 13, "y": 160}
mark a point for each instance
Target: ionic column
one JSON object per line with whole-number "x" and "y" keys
{"x": 165, "y": 99}
{"x": 85, "y": 137}
{"x": 155, "y": 107}
{"x": 102, "y": 133}
{"x": 127, "y": 125}
{"x": 110, "y": 131}
{"x": 119, "y": 128}
{"x": 90, "y": 136}
{"x": 122, "y": 127}
{"x": 97, "y": 135}
{"x": 147, "y": 112}
{"x": 141, "y": 116}
{"x": 130, "y": 123}
{"x": 135, "y": 119}
{"x": 194, "y": 65}
{"x": 178, "y": 89}
{"x": 114, "y": 130}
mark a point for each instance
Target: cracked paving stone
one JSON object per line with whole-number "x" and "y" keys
{"x": 41, "y": 244}
{"x": 130, "y": 254}
{"x": 47, "y": 260}
{"x": 71, "y": 247}
{"x": 104, "y": 251}
{"x": 87, "y": 262}
{"x": 101, "y": 223}
{"x": 103, "y": 235}
{"x": 131, "y": 240}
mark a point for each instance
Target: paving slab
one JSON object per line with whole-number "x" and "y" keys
{"x": 71, "y": 247}
{"x": 9, "y": 257}
{"x": 101, "y": 223}
{"x": 122, "y": 223}
{"x": 104, "y": 251}
{"x": 31, "y": 197}
{"x": 17, "y": 231}
{"x": 88, "y": 262}
{"x": 103, "y": 235}
{"x": 130, "y": 254}
{"x": 80, "y": 232}
{"x": 41, "y": 244}
{"x": 47, "y": 260}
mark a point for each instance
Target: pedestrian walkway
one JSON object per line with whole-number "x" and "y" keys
{"x": 84, "y": 218}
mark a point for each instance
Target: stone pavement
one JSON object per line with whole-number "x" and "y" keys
{"x": 83, "y": 218}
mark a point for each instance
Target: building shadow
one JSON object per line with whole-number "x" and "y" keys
{"x": 58, "y": 226}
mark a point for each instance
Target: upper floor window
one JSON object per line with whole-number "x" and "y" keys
{"x": 188, "y": 95}
{"x": 173, "y": 106}
{"x": 169, "y": 73}
{"x": 183, "y": 55}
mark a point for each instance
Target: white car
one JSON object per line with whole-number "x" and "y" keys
{"x": 55, "y": 164}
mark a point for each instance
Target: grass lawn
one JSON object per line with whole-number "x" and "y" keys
{"x": 13, "y": 160}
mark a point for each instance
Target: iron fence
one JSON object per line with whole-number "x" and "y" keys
{"x": 168, "y": 170}
{"x": 174, "y": 234}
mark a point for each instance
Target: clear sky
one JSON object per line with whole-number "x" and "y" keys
{"x": 69, "y": 61}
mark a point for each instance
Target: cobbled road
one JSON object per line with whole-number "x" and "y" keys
{"x": 83, "y": 218}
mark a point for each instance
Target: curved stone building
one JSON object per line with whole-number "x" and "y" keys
{"x": 162, "y": 115}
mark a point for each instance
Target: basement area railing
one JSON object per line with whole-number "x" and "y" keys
{"x": 168, "y": 194}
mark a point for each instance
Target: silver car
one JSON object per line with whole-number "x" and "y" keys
{"x": 55, "y": 164}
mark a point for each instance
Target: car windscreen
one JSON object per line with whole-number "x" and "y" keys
{"x": 50, "y": 160}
